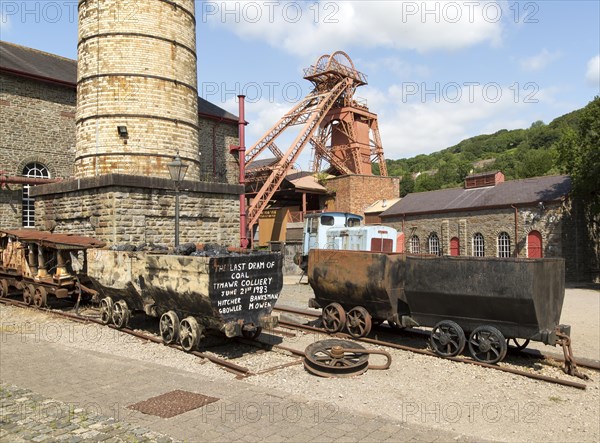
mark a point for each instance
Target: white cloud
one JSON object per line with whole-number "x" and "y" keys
{"x": 593, "y": 72}
{"x": 540, "y": 61}
{"x": 421, "y": 124}
{"x": 420, "y": 26}
{"x": 412, "y": 124}
{"x": 397, "y": 67}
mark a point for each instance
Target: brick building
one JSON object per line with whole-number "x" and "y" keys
{"x": 355, "y": 193}
{"x": 38, "y": 136}
{"x": 527, "y": 218}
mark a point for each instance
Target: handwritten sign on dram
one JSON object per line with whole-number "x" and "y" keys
{"x": 245, "y": 287}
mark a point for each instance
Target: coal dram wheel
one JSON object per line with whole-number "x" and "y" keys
{"x": 120, "y": 314}
{"x": 333, "y": 317}
{"x": 251, "y": 332}
{"x": 358, "y": 322}
{"x": 3, "y": 288}
{"x": 335, "y": 358}
{"x": 28, "y": 292}
{"x": 169, "y": 327}
{"x": 106, "y": 310}
{"x": 189, "y": 334}
{"x": 518, "y": 343}
{"x": 447, "y": 339}
{"x": 487, "y": 344}
{"x": 40, "y": 297}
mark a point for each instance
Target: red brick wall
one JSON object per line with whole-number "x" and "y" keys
{"x": 354, "y": 193}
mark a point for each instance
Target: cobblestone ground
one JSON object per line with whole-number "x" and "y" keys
{"x": 29, "y": 417}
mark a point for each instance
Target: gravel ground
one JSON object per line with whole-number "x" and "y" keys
{"x": 469, "y": 399}
{"x": 465, "y": 399}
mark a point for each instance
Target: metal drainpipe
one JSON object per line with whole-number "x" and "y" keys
{"x": 214, "y": 147}
{"x": 516, "y": 230}
{"x": 244, "y": 241}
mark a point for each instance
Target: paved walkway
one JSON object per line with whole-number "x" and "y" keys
{"x": 50, "y": 392}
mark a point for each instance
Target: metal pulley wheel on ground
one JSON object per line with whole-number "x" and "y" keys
{"x": 3, "y": 288}
{"x": 28, "y": 291}
{"x": 358, "y": 322}
{"x": 190, "y": 334}
{"x": 120, "y": 314}
{"x": 169, "y": 327}
{"x": 518, "y": 343}
{"x": 250, "y": 331}
{"x": 447, "y": 339}
{"x": 106, "y": 310}
{"x": 340, "y": 358}
{"x": 40, "y": 297}
{"x": 487, "y": 344}
{"x": 333, "y": 317}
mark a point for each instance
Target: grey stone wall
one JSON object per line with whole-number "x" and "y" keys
{"x": 125, "y": 209}
{"x": 37, "y": 125}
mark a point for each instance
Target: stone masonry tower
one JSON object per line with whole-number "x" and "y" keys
{"x": 137, "y": 106}
{"x": 137, "y": 98}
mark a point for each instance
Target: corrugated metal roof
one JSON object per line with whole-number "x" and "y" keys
{"x": 53, "y": 67}
{"x": 305, "y": 181}
{"x": 514, "y": 192}
{"x": 56, "y": 241}
{"x": 261, "y": 163}
{"x": 381, "y": 205}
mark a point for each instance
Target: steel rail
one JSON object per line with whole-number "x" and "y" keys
{"x": 582, "y": 362}
{"x": 231, "y": 367}
{"x": 429, "y": 353}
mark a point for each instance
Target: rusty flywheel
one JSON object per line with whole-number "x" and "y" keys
{"x": 340, "y": 358}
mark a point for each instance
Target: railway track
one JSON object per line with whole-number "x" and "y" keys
{"x": 243, "y": 372}
{"x": 313, "y": 329}
{"x": 239, "y": 371}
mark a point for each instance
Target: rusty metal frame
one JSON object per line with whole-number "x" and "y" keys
{"x": 335, "y": 81}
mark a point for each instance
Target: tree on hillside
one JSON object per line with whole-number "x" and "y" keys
{"x": 407, "y": 185}
{"x": 578, "y": 154}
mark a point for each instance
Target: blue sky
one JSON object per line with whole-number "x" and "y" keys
{"x": 438, "y": 72}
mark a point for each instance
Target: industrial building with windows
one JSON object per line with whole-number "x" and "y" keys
{"x": 491, "y": 217}
{"x": 38, "y": 96}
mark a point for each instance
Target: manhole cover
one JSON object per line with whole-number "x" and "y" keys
{"x": 172, "y": 403}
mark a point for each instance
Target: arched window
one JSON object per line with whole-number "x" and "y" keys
{"x": 503, "y": 245}
{"x": 478, "y": 245}
{"x": 35, "y": 170}
{"x": 434, "y": 244}
{"x": 415, "y": 245}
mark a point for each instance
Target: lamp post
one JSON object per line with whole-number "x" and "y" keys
{"x": 177, "y": 170}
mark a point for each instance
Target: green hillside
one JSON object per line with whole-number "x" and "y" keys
{"x": 519, "y": 153}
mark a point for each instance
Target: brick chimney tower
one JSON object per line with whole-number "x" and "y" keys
{"x": 136, "y": 88}
{"x": 137, "y": 107}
